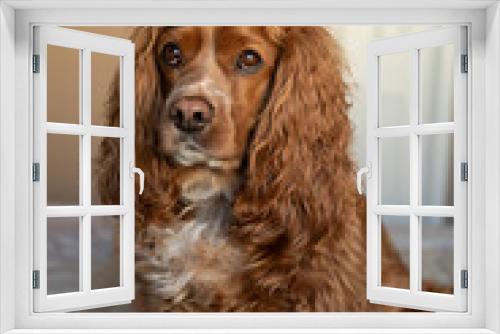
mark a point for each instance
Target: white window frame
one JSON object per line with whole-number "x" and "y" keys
{"x": 85, "y": 44}
{"x": 414, "y": 210}
{"x": 16, "y": 20}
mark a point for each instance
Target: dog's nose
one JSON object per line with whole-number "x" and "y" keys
{"x": 191, "y": 113}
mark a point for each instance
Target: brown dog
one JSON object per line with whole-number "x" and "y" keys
{"x": 250, "y": 202}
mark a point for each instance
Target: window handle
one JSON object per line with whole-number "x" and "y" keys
{"x": 135, "y": 170}
{"x": 359, "y": 176}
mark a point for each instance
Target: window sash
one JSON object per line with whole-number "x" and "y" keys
{"x": 413, "y": 297}
{"x": 86, "y": 43}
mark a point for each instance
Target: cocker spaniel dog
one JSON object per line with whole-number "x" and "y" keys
{"x": 250, "y": 201}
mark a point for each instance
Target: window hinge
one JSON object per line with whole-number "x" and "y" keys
{"x": 36, "y": 279}
{"x": 464, "y": 284}
{"x": 465, "y": 64}
{"x": 36, "y": 172}
{"x": 464, "y": 171}
{"x": 36, "y": 63}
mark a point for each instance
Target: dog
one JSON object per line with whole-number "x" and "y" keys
{"x": 250, "y": 202}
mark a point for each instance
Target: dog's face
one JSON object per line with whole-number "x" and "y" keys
{"x": 216, "y": 81}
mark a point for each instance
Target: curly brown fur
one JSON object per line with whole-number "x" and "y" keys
{"x": 289, "y": 231}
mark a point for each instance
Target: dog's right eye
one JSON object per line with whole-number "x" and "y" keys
{"x": 172, "y": 55}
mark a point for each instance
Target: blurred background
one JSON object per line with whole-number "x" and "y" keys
{"x": 436, "y": 87}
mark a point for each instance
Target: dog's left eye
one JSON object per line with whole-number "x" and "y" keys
{"x": 248, "y": 62}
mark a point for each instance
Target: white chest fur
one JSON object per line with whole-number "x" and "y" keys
{"x": 195, "y": 253}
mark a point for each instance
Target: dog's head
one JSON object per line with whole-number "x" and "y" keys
{"x": 215, "y": 81}
{"x": 204, "y": 93}
{"x": 269, "y": 102}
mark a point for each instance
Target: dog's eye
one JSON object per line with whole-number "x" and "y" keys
{"x": 248, "y": 62}
{"x": 173, "y": 55}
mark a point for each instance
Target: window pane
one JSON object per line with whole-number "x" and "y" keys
{"x": 394, "y": 170}
{"x": 437, "y": 169}
{"x": 437, "y": 254}
{"x": 436, "y": 84}
{"x": 105, "y": 252}
{"x": 394, "y": 89}
{"x": 104, "y": 69}
{"x": 63, "y": 84}
{"x": 105, "y": 171}
{"x": 63, "y": 244}
{"x": 395, "y": 251}
{"x": 63, "y": 169}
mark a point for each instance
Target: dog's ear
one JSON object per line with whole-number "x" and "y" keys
{"x": 148, "y": 87}
{"x": 299, "y": 181}
{"x": 147, "y": 100}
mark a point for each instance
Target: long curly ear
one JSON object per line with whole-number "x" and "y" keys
{"x": 147, "y": 97}
{"x": 299, "y": 198}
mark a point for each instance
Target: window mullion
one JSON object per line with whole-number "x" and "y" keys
{"x": 85, "y": 161}
{"x": 415, "y": 267}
